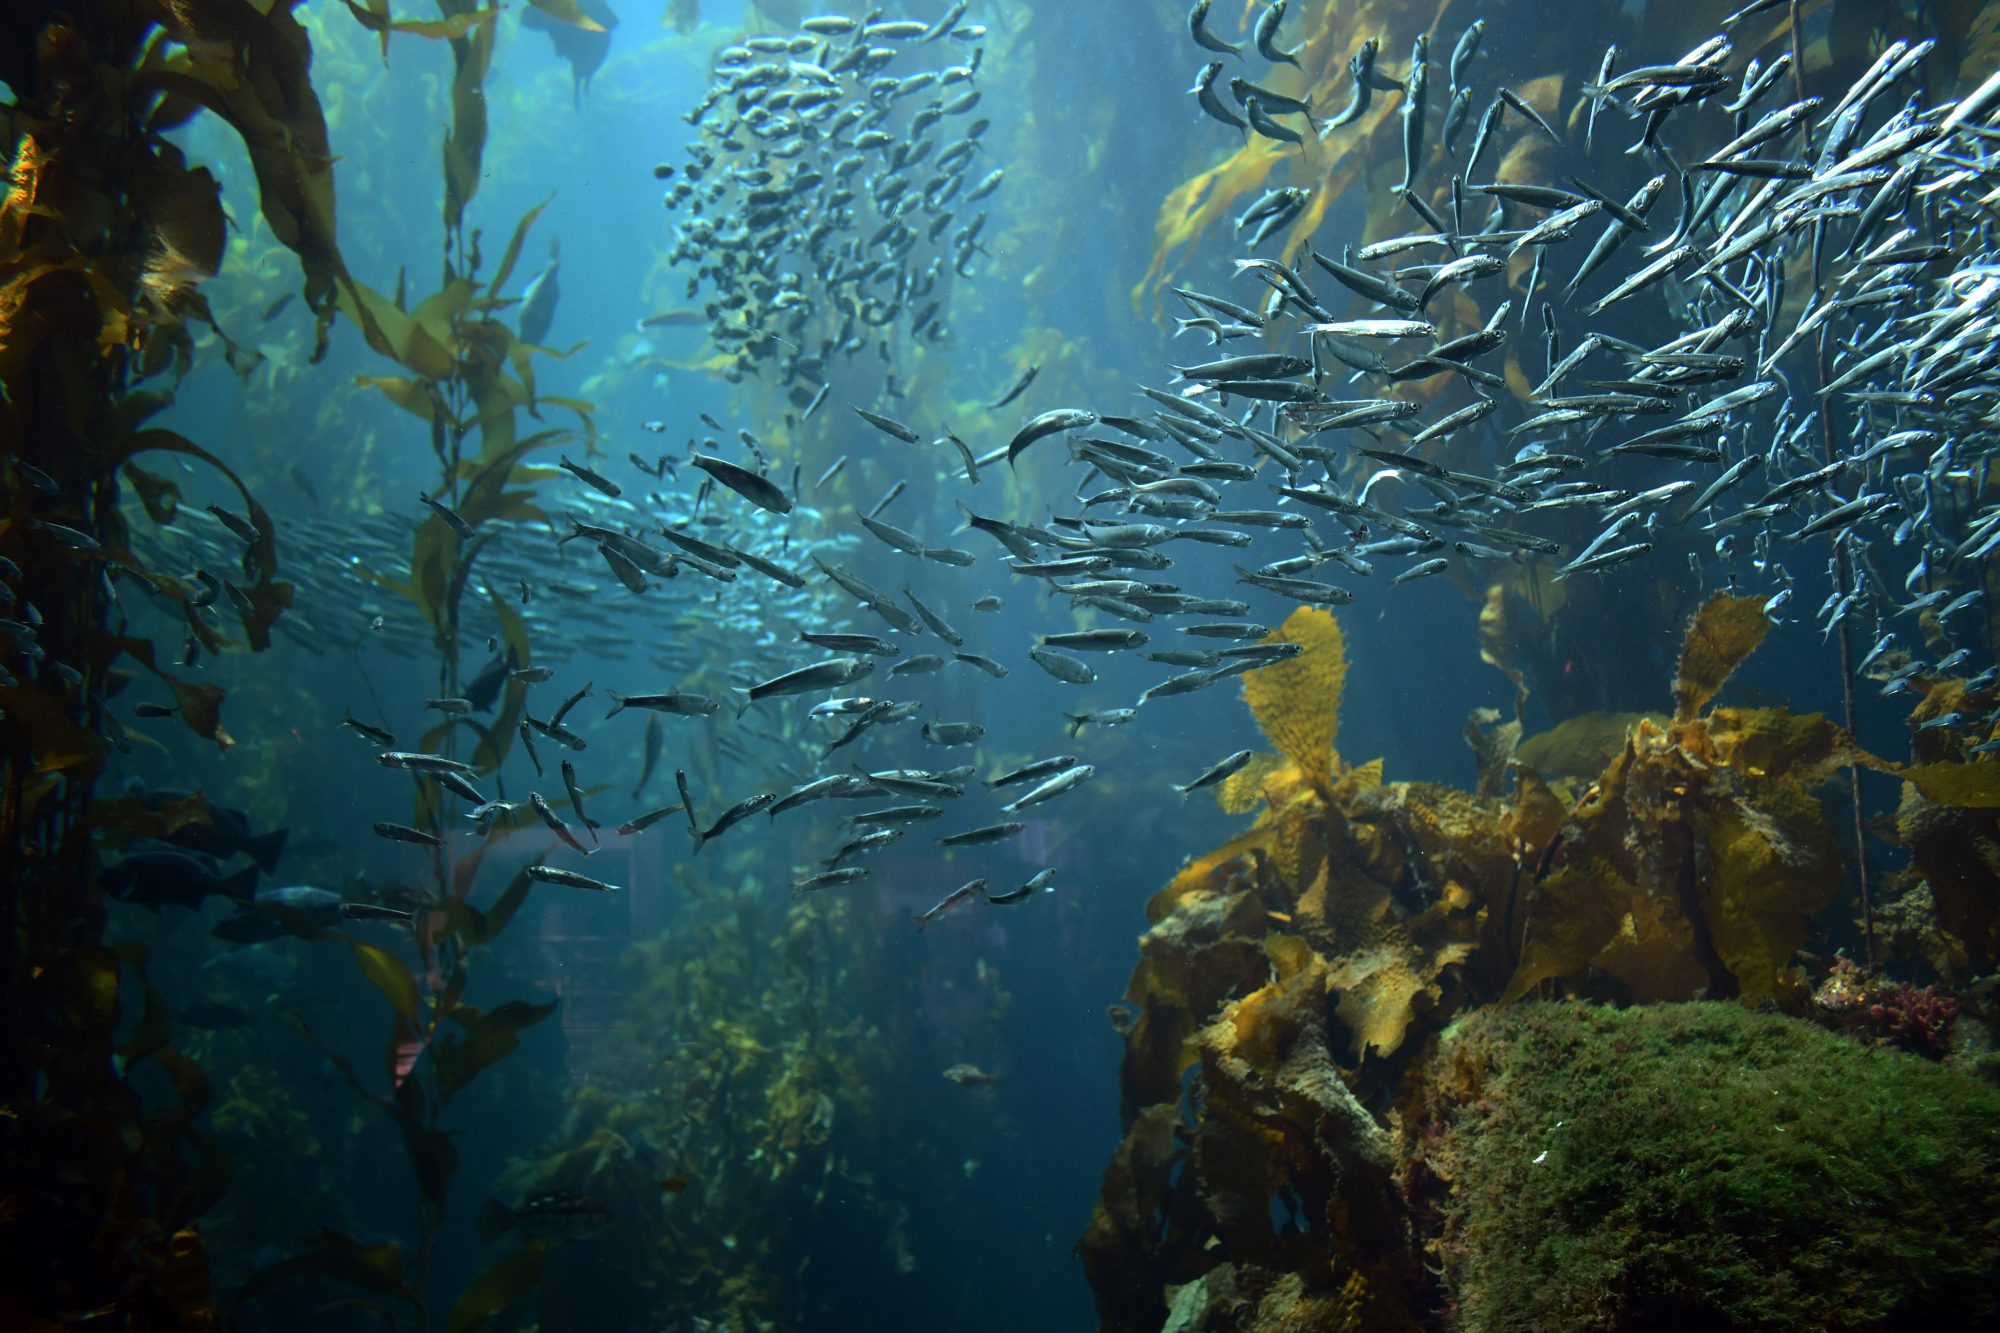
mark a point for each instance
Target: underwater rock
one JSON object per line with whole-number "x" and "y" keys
{"x": 1700, "y": 1166}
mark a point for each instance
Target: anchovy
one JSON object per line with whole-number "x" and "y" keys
{"x": 1216, "y": 773}
{"x": 569, "y": 878}
{"x": 1197, "y": 20}
{"x": 758, "y": 490}
{"x": 733, "y": 816}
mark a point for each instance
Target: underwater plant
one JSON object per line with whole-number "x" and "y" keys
{"x": 1297, "y": 978}
{"x": 107, "y": 234}
{"x": 1698, "y": 1165}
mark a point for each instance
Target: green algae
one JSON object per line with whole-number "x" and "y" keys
{"x": 1701, "y": 1166}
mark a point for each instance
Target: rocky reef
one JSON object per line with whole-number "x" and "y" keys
{"x": 1335, "y": 1062}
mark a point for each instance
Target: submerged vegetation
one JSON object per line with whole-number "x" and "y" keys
{"x": 1587, "y": 1041}
{"x": 1301, "y": 977}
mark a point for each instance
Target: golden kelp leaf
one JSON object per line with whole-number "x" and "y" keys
{"x": 447, "y": 29}
{"x": 1722, "y": 635}
{"x": 1773, "y": 742}
{"x": 490, "y": 1036}
{"x": 568, "y": 11}
{"x": 498, "y": 1286}
{"x": 1769, "y": 870}
{"x": 395, "y": 334}
{"x": 465, "y": 141}
{"x": 1195, "y": 873}
{"x": 388, "y": 975}
{"x": 1380, "y": 991}
{"x": 1580, "y": 747}
{"x": 1297, "y": 701}
{"x": 512, "y": 255}
{"x": 408, "y": 392}
{"x": 1357, "y": 781}
{"x": 200, "y": 708}
{"x": 1962, "y": 786}
{"x": 1588, "y": 914}
{"x": 1496, "y": 638}
{"x": 160, "y": 495}
{"x": 1240, "y": 792}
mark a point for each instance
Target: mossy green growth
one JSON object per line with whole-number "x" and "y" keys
{"x": 1702, "y": 1166}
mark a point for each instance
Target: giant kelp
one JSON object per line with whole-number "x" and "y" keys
{"x": 734, "y": 1121}
{"x": 1288, "y": 976}
{"x": 107, "y": 233}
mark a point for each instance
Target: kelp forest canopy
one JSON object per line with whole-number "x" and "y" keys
{"x": 528, "y": 530}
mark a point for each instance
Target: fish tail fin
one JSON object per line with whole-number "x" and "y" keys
{"x": 1075, "y": 723}
{"x": 617, "y": 704}
{"x": 495, "y": 1220}
{"x": 266, "y": 850}
{"x": 241, "y": 886}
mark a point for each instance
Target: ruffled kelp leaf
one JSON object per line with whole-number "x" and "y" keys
{"x": 160, "y": 495}
{"x": 1956, "y": 851}
{"x": 512, "y": 255}
{"x": 505, "y": 906}
{"x": 568, "y": 11}
{"x": 1497, "y": 637}
{"x": 465, "y": 141}
{"x": 1723, "y": 634}
{"x": 87, "y": 991}
{"x": 1775, "y": 743}
{"x": 335, "y": 1257}
{"x": 1603, "y": 906}
{"x": 394, "y": 334}
{"x": 490, "y": 1036}
{"x": 1241, "y": 791}
{"x": 1581, "y": 746}
{"x": 1297, "y": 701}
{"x": 389, "y": 975}
{"x": 252, "y": 66}
{"x": 414, "y": 394}
{"x": 55, "y": 742}
{"x": 1493, "y": 743}
{"x": 199, "y": 704}
{"x": 1770, "y": 868}
{"x": 200, "y": 707}
{"x": 260, "y": 559}
{"x": 376, "y": 18}
{"x": 123, "y": 819}
{"x": 499, "y": 1285}
{"x": 1357, "y": 781}
{"x": 1960, "y": 786}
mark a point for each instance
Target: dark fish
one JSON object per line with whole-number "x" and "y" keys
{"x": 553, "y": 1215}
{"x": 733, "y": 816}
{"x": 647, "y": 820}
{"x": 450, "y": 517}
{"x": 555, "y": 824}
{"x": 568, "y": 878}
{"x": 156, "y": 875}
{"x": 979, "y": 837}
{"x": 404, "y": 833}
{"x": 1043, "y": 882}
{"x": 1197, "y": 28}
{"x": 1020, "y": 387}
{"x": 758, "y": 490}
{"x": 1052, "y": 422}
{"x": 889, "y": 426}
{"x": 973, "y": 889}
{"x": 576, "y": 800}
{"x": 835, "y": 671}
{"x": 588, "y": 477}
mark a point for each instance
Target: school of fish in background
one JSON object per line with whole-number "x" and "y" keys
{"x": 1298, "y": 457}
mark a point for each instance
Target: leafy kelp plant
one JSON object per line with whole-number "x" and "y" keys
{"x": 610, "y": 790}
